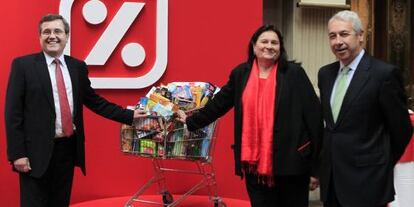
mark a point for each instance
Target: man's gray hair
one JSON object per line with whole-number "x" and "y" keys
{"x": 349, "y": 16}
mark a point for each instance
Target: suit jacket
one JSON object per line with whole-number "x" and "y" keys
{"x": 373, "y": 127}
{"x": 298, "y": 121}
{"x": 30, "y": 111}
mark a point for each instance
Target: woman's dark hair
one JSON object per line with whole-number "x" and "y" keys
{"x": 253, "y": 40}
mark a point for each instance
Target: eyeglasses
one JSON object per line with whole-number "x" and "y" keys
{"x": 48, "y": 32}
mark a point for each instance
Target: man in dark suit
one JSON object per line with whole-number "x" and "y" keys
{"x": 44, "y": 117}
{"x": 367, "y": 125}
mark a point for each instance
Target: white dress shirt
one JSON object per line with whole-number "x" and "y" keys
{"x": 352, "y": 68}
{"x": 68, "y": 84}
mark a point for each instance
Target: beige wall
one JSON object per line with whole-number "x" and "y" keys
{"x": 305, "y": 32}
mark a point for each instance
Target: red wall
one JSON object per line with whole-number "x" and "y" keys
{"x": 206, "y": 40}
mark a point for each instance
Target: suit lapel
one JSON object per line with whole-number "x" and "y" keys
{"x": 73, "y": 72}
{"x": 245, "y": 76}
{"x": 358, "y": 81}
{"x": 44, "y": 77}
{"x": 331, "y": 77}
{"x": 280, "y": 73}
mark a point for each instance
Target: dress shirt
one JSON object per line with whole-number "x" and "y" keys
{"x": 68, "y": 84}
{"x": 352, "y": 68}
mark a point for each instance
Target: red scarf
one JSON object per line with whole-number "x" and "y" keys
{"x": 258, "y": 120}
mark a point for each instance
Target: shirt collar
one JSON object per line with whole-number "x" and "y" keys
{"x": 50, "y": 59}
{"x": 354, "y": 64}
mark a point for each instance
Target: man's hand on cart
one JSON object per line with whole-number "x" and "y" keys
{"x": 181, "y": 116}
{"x": 139, "y": 113}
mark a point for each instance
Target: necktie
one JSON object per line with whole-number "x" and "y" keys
{"x": 340, "y": 90}
{"x": 66, "y": 115}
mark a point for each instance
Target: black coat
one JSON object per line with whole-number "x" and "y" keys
{"x": 30, "y": 111}
{"x": 370, "y": 135}
{"x": 297, "y": 117}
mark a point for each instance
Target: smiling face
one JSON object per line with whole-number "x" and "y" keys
{"x": 345, "y": 42}
{"x": 267, "y": 47}
{"x": 53, "y": 38}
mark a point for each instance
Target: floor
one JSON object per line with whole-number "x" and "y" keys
{"x": 315, "y": 204}
{"x": 199, "y": 201}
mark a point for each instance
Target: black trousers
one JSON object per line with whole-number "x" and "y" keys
{"x": 288, "y": 191}
{"x": 332, "y": 200}
{"x": 53, "y": 189}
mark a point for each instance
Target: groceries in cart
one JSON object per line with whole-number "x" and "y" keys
{"x": 164, "y": 100}
{"x": 159, "y": 134}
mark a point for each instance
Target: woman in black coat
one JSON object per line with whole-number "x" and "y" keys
{"x": 277, "y": 123}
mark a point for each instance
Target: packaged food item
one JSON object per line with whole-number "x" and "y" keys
{"x": 162, "y": 110}
{"x": 143, "y": 103}
{"x": 127, "y": 138}
{"x": 148, "y": 124}
{"x": 205, "y": 146}
{"x": 179, "y": 149}
{"x": 193, "y": 148}
{"x": 161, "y": 150}
{"x": 164, "y": 100}
{"x": 148, "y": 146}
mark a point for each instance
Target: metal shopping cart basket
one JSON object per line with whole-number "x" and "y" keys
{"x": 164, "y": 138}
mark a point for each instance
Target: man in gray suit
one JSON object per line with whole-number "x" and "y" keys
{"x": 367, "y": 122}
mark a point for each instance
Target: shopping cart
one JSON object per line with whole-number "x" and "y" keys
{"x": 164, "y": 138}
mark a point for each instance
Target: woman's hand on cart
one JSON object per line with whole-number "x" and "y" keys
{"x": 140, "y": 113}
{"x": 180, "y": 116}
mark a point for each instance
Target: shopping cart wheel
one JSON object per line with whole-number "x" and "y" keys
{"x": 167, "y": 198}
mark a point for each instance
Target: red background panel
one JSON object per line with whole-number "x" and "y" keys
{"x": 206, "y": 40}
